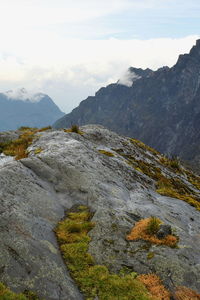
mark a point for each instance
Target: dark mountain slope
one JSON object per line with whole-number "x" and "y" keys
{"x": 161, "y": 108}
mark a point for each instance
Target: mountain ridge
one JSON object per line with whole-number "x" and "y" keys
{"x": 21, "y": 108}
{"x": 161, "y": 109}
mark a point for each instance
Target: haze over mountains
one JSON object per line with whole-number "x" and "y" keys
{"x": 90, "y": 214}
{"x": 21, "y": 108}
{"x": 161, "y": 108}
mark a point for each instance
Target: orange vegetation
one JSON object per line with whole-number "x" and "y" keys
{"x": 154, "y": 286}
{"x": 184, "y": 293}
{"x": 139, "y": 231}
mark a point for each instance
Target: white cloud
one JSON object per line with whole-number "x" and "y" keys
{"x": 48, "y": 12}
{"x": 128, "y": 78}
{"x": 71, "y": 69}
{"x": 39, "y": 57}
{"x": 23, "y": 95}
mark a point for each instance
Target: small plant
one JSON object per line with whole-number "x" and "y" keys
{"x": 93, "y": 280}
{"x": 44, "y": 128}
{"x": 167, "y": 185}
{"x": 153, "y": 225}
{"x": 75, "y": 128}
{"x": 145, "y": 229}
{"x": 26, "y": 128}
{"x": 155, "y": 286}
{"x": 171, "y": 163}
{"x": 184, "y": 293}
{"x": 38, "y": 150}
{"x": 7, "y": 294}
{"x": 110, "y": 154}
{"x": 144, "y": 146}
{"x": 150, "y": 255}
{"x": 175, "y": 163}
{"x": 30, "y": 295}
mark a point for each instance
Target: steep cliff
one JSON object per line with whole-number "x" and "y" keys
{"x": 161, "y": 108}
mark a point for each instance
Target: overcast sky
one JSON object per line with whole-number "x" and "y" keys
{"x": 70, "y": 48}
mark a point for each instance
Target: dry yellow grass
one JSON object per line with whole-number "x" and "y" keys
{"x": 139, "y": 231}
{"x": 154, "y": 286}
{"x": 184, "y": 293}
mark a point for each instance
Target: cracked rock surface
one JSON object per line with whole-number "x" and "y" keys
{"x": 36, "y": 191}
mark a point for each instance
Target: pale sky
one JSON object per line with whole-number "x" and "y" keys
{"x": 70, "y": 48}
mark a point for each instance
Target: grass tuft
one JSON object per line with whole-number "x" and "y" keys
{"x": 38, "y": 150}
{"x": 44, "y": 129}
{"x": 167, "y": 186}
{"x": 93, "y": 280}
{"x": 153, "y": 225}
{"x": 74, "y": 128}
{"x": 155, "y": 286}
{"x": 110, "y": 154}
{"x": 144, "y": 146}
{"x": 184, "y": 293}
{"x": 7, "y": 294}
{"x": 18, "y": 147}
{"x": 144, "y": 230}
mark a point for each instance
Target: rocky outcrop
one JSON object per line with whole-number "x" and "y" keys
{"x": 69, "y": 169}
{"x": 161, "y": 108}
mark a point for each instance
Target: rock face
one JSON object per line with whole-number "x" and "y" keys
{"x": 163, "y": 231}
{"x": 161, "y": 108}
{"x": 70, "y": 170}
{"x": 23, "y": 109}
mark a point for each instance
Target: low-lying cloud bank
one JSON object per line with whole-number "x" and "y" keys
{"x": 23, "y": 95}
{"x": 71, "y": 69}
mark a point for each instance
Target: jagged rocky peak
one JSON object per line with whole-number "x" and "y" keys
{"x": 161, "y": 108}
{"x": 196, "y": 49}
{"x": 191, "y": 58}
{"x": 132, "y": 75}
{"x": 141, "y": 72}
{"x": 122, "y": 181}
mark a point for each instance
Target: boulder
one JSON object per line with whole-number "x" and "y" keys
{"x": 163, "y": 231}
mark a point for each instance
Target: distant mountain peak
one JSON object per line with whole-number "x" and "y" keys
{"x": 190, "y": 58}
{"x": 20, "y": 107}
{"x": 23, "y": 95}
{"x": 161, "y": 108}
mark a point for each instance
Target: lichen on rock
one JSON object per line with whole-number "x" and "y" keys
{"x": 36, "y": 191}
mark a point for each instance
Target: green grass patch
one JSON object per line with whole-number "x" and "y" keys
{"x": 175, "y": 188}
{"x": 144, "y": 146}
{"x": 93, "y": 280}
{"x": 153, "y": 225}
{"x": 44, "y": 129}
{"x": 193, "y": 179}
{"x": 18, "y": 147}
{"x": 7, "y": 294}
{"x": 38, "y": 150}
{"x": 110, "y": 154}
{"x": 173, "y": 163}
{"x": 168, "y": 186}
